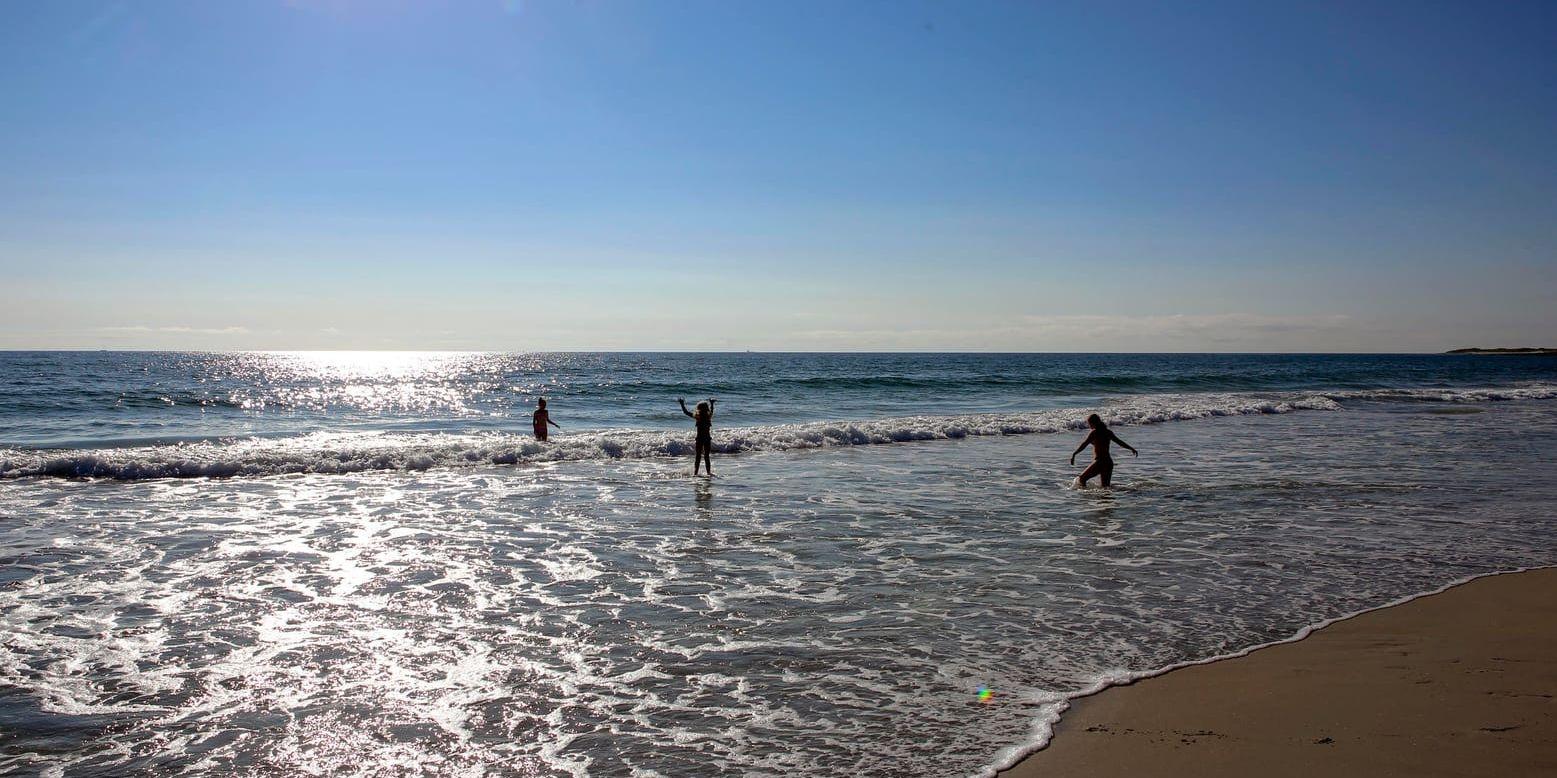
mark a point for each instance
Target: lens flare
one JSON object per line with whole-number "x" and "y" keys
{"x": 986, "y": 694}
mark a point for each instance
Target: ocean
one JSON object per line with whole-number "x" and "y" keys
{"x": 363, "y": 564}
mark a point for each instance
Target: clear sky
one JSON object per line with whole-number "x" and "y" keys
{"x": 530, "y": 175}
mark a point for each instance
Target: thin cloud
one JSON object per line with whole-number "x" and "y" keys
{"x": 1182, "y": 324}
{"x": 1229, "y": 331}
{"x": 141, "y": 328}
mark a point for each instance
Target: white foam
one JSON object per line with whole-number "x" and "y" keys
{"x": 1051, "y": 706}
{"x": 357, "y": 452}
{"x": 500, "y": 613}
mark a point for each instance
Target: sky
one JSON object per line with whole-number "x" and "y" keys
{"x": 807, "y": 176}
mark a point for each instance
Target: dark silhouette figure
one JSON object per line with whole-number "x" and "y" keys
{"x": 1102, "y": 462}
{"x": 541, "y": 419}
{"x": 704, "y": 417}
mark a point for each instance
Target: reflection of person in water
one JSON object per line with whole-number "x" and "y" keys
{"x": 541, "y": 419}
{"x": 1102, "y": 462}
{"x": 703, "y": 496}
{"x": 705, "y": 441}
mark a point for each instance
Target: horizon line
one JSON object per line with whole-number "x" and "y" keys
{"x": 86, "y": 349}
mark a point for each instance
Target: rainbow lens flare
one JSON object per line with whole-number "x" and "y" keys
{"x": 986, "y": 694}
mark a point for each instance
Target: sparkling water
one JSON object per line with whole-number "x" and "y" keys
{"x": 361, "y": 564}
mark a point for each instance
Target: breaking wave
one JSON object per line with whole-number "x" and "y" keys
{"x": 334, "y": 452}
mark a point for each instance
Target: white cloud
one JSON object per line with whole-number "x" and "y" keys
{"x": 1099, "y": 332}
{"x": 141, "y": 328}
{"x": 1226, "y": 326}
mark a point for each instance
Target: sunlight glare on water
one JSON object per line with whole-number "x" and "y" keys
{"x": 367, "y": 381}
{"x": 889, "y": 577}
{"x": 819, "y": 613}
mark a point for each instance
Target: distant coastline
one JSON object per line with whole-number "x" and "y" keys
{"x": 1516, "y": 351}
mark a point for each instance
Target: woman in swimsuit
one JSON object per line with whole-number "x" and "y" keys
{"x": 705, "y": 440}
{"x": 1102, "y": 462}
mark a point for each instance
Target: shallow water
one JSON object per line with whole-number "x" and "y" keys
{"x": 815, "y": 611}
{"x": 85, "y": 400}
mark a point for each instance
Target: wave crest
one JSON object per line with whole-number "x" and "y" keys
{"x": 358, "y": 452}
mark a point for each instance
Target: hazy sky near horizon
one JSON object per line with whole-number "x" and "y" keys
{"x": 798, "y": 176}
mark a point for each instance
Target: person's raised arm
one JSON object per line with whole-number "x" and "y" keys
{"x": 684, "y": 407}
{"x": 1081, "y": 447}
{"x": 1121, "y": 442}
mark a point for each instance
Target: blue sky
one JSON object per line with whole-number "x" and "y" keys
{"x": 800, "y": 176}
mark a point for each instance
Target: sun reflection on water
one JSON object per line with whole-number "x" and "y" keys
{"x": 350, "y": 365}
{"x": 373, "y": 382}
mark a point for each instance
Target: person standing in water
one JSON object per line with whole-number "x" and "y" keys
{"x": 1102, "y": 462}
{"x": 704, "y": 418}
{"x": 541, "y": 419}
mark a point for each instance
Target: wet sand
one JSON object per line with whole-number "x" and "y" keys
{"x": 1460, "y": 683}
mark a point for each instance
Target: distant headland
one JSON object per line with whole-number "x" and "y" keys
{"x": 1520, "y": 351}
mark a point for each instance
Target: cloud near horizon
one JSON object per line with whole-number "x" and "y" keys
{"x": 1095, "y": 332}
{"x": 182, "y": 330}
{"x": 1228, "y": 332}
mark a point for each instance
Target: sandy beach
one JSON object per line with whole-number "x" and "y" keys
{"x": 1460, "y": 683}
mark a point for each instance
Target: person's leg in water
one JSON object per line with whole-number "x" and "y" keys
{"x": 708, "y": 461}
{"x": 1093, "y": 469}
{"x": 697, "y": 456}
{"x": 1107, "y": 472}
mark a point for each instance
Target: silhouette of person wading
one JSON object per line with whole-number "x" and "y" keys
{"x": 541, "y": 419}
{"x": 704, "y": 418}
{"x": 1102, "y": 462}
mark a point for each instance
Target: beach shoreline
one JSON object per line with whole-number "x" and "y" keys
{"x": 1456, "y": 682}
{"x": 890, "y": 593}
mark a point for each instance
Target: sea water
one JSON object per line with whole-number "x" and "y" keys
{"x": 362, "y": 564}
